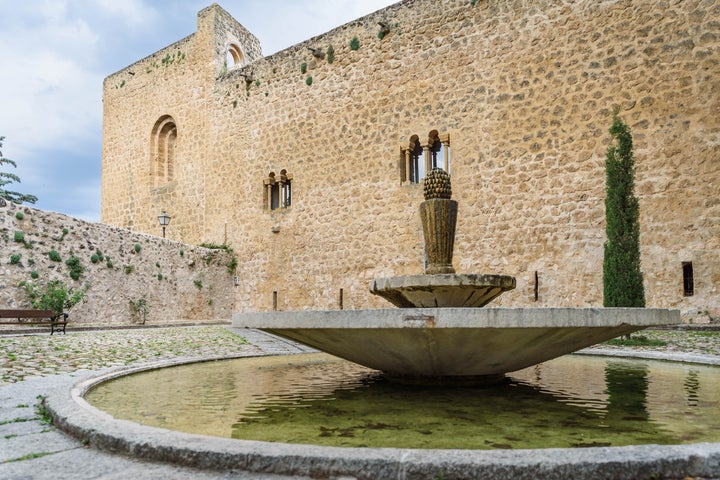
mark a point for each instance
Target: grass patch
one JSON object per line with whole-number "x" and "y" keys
{"x": 29, "y": 456}
{"x": 42, "y": 411}
{"x": 636, "y": 341}
{"x": 15, "y": 420}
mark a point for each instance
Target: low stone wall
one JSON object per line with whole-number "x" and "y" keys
{"x": 178, "y": 281}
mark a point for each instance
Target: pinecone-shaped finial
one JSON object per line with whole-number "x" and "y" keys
{"x": 437, "y": 184}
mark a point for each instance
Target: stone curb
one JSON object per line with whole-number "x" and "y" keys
{"x": 72, "y": 414}
{"x": 699, "y": 358}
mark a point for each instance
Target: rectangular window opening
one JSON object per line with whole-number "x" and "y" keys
{"x": 688, "y": 281}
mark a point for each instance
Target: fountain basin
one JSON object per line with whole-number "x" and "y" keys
{"x": 442, "y": 290}
{"x": 454, "y": 343}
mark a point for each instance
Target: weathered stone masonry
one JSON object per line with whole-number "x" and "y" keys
{"x": 523, "y": 91}
{"x": 178, "y": 282}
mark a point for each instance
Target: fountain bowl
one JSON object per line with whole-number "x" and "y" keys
{"x": 442, "y": 290}
{"x": 447, "y": 345}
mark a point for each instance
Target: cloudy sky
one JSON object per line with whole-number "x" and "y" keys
{"x": 54, "y": 55}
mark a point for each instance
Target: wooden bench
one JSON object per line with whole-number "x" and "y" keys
{"x": 35, "y": 317}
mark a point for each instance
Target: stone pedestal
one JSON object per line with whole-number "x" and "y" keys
{"x": 439, "y": 217}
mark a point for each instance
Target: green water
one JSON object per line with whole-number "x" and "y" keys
{"x": 573, "y": 401}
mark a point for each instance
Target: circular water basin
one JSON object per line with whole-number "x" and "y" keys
{"x": 572, "y": 401}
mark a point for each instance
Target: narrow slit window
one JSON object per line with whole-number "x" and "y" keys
{"x": 688, "y": 281}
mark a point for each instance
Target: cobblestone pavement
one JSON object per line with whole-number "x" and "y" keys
{"x": 27, "y": 356}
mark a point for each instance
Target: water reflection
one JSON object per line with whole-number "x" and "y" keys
{"x": 573, "y": 401}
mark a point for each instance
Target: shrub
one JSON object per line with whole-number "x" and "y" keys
{"x": 330, "y": 54}
{"x": 129, "y": 269}
{"x": 109, "y": 263}
{"x": 182, "y": 252}
{"x": 31, "y": 261}
{"x": 14, "y": 258}
{"x": 198, "y": 284}
{"x": 159, "y": 276}
{"x": 308, "y": 81}
{"x": 76, "y": 267}
{"x": 54, "y": 256}
{"x": 137, "y": 248}
{"x": 95, "y": 258}
{"x": 55, "y": 296}
{"x": 303, "y": 67}
{"x": 354, "y": 43}
{"x": 20, "y": 215}
{"x": 34, "y": 274}
{"x": 19, "y": 236}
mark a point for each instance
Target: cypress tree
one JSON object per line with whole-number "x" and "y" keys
{"x": 622, "y": 278}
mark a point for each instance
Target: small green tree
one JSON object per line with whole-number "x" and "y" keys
{"x": 140, "y": 309}
{"x": 622, "y": 278}
{"x": 8, "y": 178}
{"x": 55, "y": 295}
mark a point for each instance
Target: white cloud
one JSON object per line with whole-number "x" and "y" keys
{"x": 133, "y": 13}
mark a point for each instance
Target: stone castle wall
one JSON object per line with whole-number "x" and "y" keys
{"x": 525, "y": 91}
{"x": 178, "y": 282}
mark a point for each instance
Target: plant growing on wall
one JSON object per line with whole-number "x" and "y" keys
{"x": 622, "y": 277}
{"x": 308, "y": 81}
{"x": 55, "y": 296}
{"x": 75, "y": 266}
{"x": 54, "y": 256}
{"x": 354, "y": 44}
{"x": 232, "y": 265}
{"x": 330, "y": 54}
{"x": 303, "y": 67}
{"x": 14, "y": 259}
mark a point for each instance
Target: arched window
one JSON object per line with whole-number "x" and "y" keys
{"x": 439, "y": 150}
{"x": 163, "y": 141}
{"x": 419, "y": 158}
{"x": 234, "y": 56}
{"x": 416, "y": 165}
{"x": 277, "y": 191}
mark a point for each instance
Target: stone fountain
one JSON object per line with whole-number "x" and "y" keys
{"x": 440, "y": 333}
